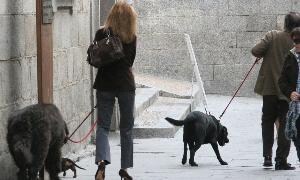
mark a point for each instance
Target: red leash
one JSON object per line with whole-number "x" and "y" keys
{"x": 85, "y": 137}
{"x": 91, "y": 130}
{"x": 255, "y": 62}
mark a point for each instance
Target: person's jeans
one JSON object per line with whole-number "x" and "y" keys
{"x": 272, "y": 109}
{"x": 105, "y": 105}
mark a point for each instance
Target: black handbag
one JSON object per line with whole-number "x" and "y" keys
{"x": 106, "y": 51}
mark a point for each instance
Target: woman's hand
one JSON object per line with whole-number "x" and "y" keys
{"x": 295, "y": 96}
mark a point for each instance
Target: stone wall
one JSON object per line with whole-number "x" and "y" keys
{"x": 18, "y": 67}
{"x": 222, "y": 33}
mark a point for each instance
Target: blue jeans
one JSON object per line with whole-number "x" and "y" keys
{"x": 105, "y": 105}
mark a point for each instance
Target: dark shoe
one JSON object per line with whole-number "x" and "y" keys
{"x": 284, "y": 166}
{"x": 268, "y": 161}
{"x": 124, "y": 175}
{"x": 100, "y": 174}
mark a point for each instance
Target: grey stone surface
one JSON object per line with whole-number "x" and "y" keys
{"x": 243, "y": 7}
{"x": 18, "y": 68}
{"x": 29, "y": 6}
{"x": 11, "y": 7}
{"x": 30, "y": 35}
{"x": 261, "y": 22}
{"x": 222, "y": 33}
{"x": 233, "y": 23}
{"x": 12, "y": 40}
{"x": 275, "y": 6}
{"x": 248, "y": 39}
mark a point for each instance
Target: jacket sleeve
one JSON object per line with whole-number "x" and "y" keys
{"x": 283, "y": 81}
{"x": 261, "y": 48}
{"x": 130, "y": 52}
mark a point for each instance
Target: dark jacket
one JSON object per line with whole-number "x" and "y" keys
{"x": 289, "y": 75}
{"x": 273, "y": 48}
{"x": 117, "y": 76}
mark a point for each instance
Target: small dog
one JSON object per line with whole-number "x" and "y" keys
{"x": 67, "y": 164}
{"x": 199, "y": 129}
{"x": 35, "y": 135}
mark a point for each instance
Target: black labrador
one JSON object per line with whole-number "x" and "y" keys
{"x": 199, "y": 129}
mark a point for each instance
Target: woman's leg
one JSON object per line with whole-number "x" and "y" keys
{"x": 126, "y": 103}
{"x": 105, "y": 105}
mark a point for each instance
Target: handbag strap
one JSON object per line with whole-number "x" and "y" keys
{"x": 107, "y": 32}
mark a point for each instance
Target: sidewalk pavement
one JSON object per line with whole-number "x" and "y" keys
{"x": 160, "y": 159}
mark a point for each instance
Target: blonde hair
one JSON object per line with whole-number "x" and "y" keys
{"x": 122, "y": 19}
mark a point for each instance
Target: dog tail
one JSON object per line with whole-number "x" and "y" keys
{"x": 79, "y": 166}
{"x": 175, "y": 122}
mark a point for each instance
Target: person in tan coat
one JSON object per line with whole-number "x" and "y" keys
{"x": 273, "y": 48}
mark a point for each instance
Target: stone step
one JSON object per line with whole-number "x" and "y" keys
{"x": 167, "y": 85}
{"x": 152, "y": 124}
{"x": 144, "y": 98}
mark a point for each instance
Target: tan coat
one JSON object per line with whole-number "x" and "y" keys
{"x": 273, "y": 49}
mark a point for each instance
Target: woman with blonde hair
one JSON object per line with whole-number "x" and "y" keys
{"x": 117, "y": 81}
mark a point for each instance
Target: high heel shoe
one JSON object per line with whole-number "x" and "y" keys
{"x": 100, "y": 174}
{"x": 124, "y": 175}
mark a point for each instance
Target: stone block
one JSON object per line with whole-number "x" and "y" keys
{"x": 295, "y": 5}
{"x": 147, "y": 8}
{"x": 261, "y": 22}
{"x": 56, "y": 81}
{"x": 148, "y": 25}
{"x": 75, "y": 30}
{"x": 25, "y": 75}
{"x": 243, "y": 7}
{"x": 245, "y": 56}
{"x": 12, "y": 36}
{"x": 206, "y": 72}
{"x": 161, "y": 41}
{"x": 11, "y": 81}
{"x": 169, "y": 63}
{"x": 275, "y": 6}
{"x": 30, "y": 35}
{"x": 85, "y": 6}
{"x": 84, "y": 29}
{"x": 213, "y": 40}
{"x": 77, "y": 63}
{"x": 69, "y": 62}
{"x": 242, "y": 69}
{"x": 225, "y": 72}
{"x": 60, "y": 69}
{"x": 213, "y": 56}
{"x": 226, "y": 87}
{"x": 29, "y": 6}
{"x": 233, "y": 23}
{"x": 11, "y": 7}
{"x": 280, "y": 22}
{"x": 62, "y": 30}
{"x": 248, "y": 39}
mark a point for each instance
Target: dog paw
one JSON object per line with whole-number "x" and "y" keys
{"x": 223, "y": 163}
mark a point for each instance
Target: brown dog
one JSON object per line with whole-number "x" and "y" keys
{"x": 67, "y": 164}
